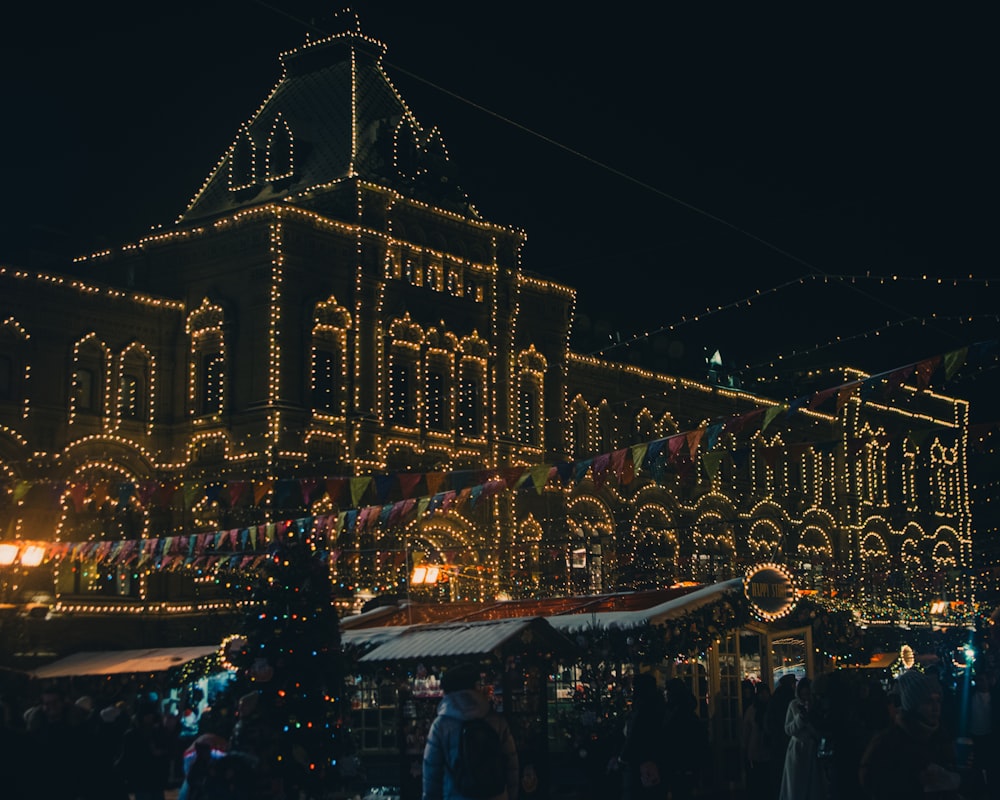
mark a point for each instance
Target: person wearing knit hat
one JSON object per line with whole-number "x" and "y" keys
{"x": 915, "y": 755}
{"x": 920, "y": 694}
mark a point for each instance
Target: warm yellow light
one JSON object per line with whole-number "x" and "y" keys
{"x": 432, "y": 575}
{"x": 32, "y": 556}
{"x": 419, "y": 575}
{"x": 8, "y": 554}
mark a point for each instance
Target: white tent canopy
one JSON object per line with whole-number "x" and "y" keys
{"x": 117, "y": 662}
{"x": 671, "y": 609}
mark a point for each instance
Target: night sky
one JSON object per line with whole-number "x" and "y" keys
{"x": 856, "y": 143}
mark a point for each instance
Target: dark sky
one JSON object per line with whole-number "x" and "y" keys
{"x": 855, "y": 142}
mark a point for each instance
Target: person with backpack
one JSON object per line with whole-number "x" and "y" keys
{"x": 470, "y": 752}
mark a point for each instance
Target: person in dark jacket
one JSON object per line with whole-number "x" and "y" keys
{"x": 913, "y": 757}
{"x": 774, "y": 723}
{"x": 689, "y": 753}
{"x": 145, "y": 758}
{"x": 463, "y": 701}
{"x": 643, "y": 755}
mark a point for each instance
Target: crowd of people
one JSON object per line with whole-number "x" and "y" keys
{"x": 67, "y": 745}
{"x": 844, "y": 736}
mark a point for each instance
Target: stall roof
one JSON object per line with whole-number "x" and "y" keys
{"x": 115, "y": 662}
{"x": 416, "y": 613}
{"x": 455, "y": 639}
{"x": 669, "y": 609}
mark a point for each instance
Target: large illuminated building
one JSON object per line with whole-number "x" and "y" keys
{"x": 331, "y": 331}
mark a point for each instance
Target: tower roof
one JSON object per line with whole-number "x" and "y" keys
{"x": 333, "y": 114}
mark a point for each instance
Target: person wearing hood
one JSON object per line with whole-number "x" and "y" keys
{"x": 464, "y": 702}
{"x": 913, "y": 757}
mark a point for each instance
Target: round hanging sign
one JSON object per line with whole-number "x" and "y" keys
{"x": 770, "y": 590}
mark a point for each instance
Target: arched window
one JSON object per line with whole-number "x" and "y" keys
{"x": 207, "y": 388}
{"x": 242, "y": 163}
{"x": 88, "y": 392}
{"x": 280, "y": 155}
{"x": 328, "y": 381}
{"x": 135, "y": 380}
{"x": 84, "y": 394}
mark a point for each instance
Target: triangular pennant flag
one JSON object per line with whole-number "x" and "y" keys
{"x": 77, "y": 492}
{"x": 384, "y": 484}
{"x": 539, "y": 476}
{"x": 580, "y": 469}
{"x": 435, "y": 480}
{"x": 821, "y": 397}
{"x": 100, "y": 492}
{"x": 286, "y": 493}
{"x": 770, "y": 415}
{"x": 845, "y": 393}
{"x": 310, "y": 489}
{"x": 674, "y": 445}
{"x": 358, "y": 488}
{"x": 954, "y": 361}
{"x": 145, "y": 492}
{"x": 711, "y": 462}
{"x": 693, "y": 440}
{"x": 712, "y": 433}
{"x": 237, "y": 489}
{"x": 125, "y": 491}
{"x": 193, "y": 492}
{"x": 422, "y": 505}
{"x": 260, "y": 490}
{"x": 336, "y": 490}
{"x": 617, "y": 464}
{"x": 565, "y": 471}
{"x": 896, "y": 378}
{"x": 475, "y": 492}
{"x": 408, "y": 482}
{"x": 924, "y": 371}
{"x": 600, "y": 468}
{"x": 639, "y": 455}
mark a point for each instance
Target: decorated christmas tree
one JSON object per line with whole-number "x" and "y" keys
{"x": 292, "y": 659}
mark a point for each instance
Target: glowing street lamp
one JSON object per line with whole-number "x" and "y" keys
{"x": 8, "y": 554}
{"x": 32, "y": 556}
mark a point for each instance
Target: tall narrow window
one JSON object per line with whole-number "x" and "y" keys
{"x": 531, "y": 432}
{"x": 326, "y": 381}
{"x": 212, "y": 378}
{"x": 279, "y": 150}
{"x": 129, "y": 399}
{"x": 241, "y": 163}
{"x": 470, "y": 405}
{"x": 434, "y": 402}
{"x": 400, "y": 408}
{"x": 83, "y": 391}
